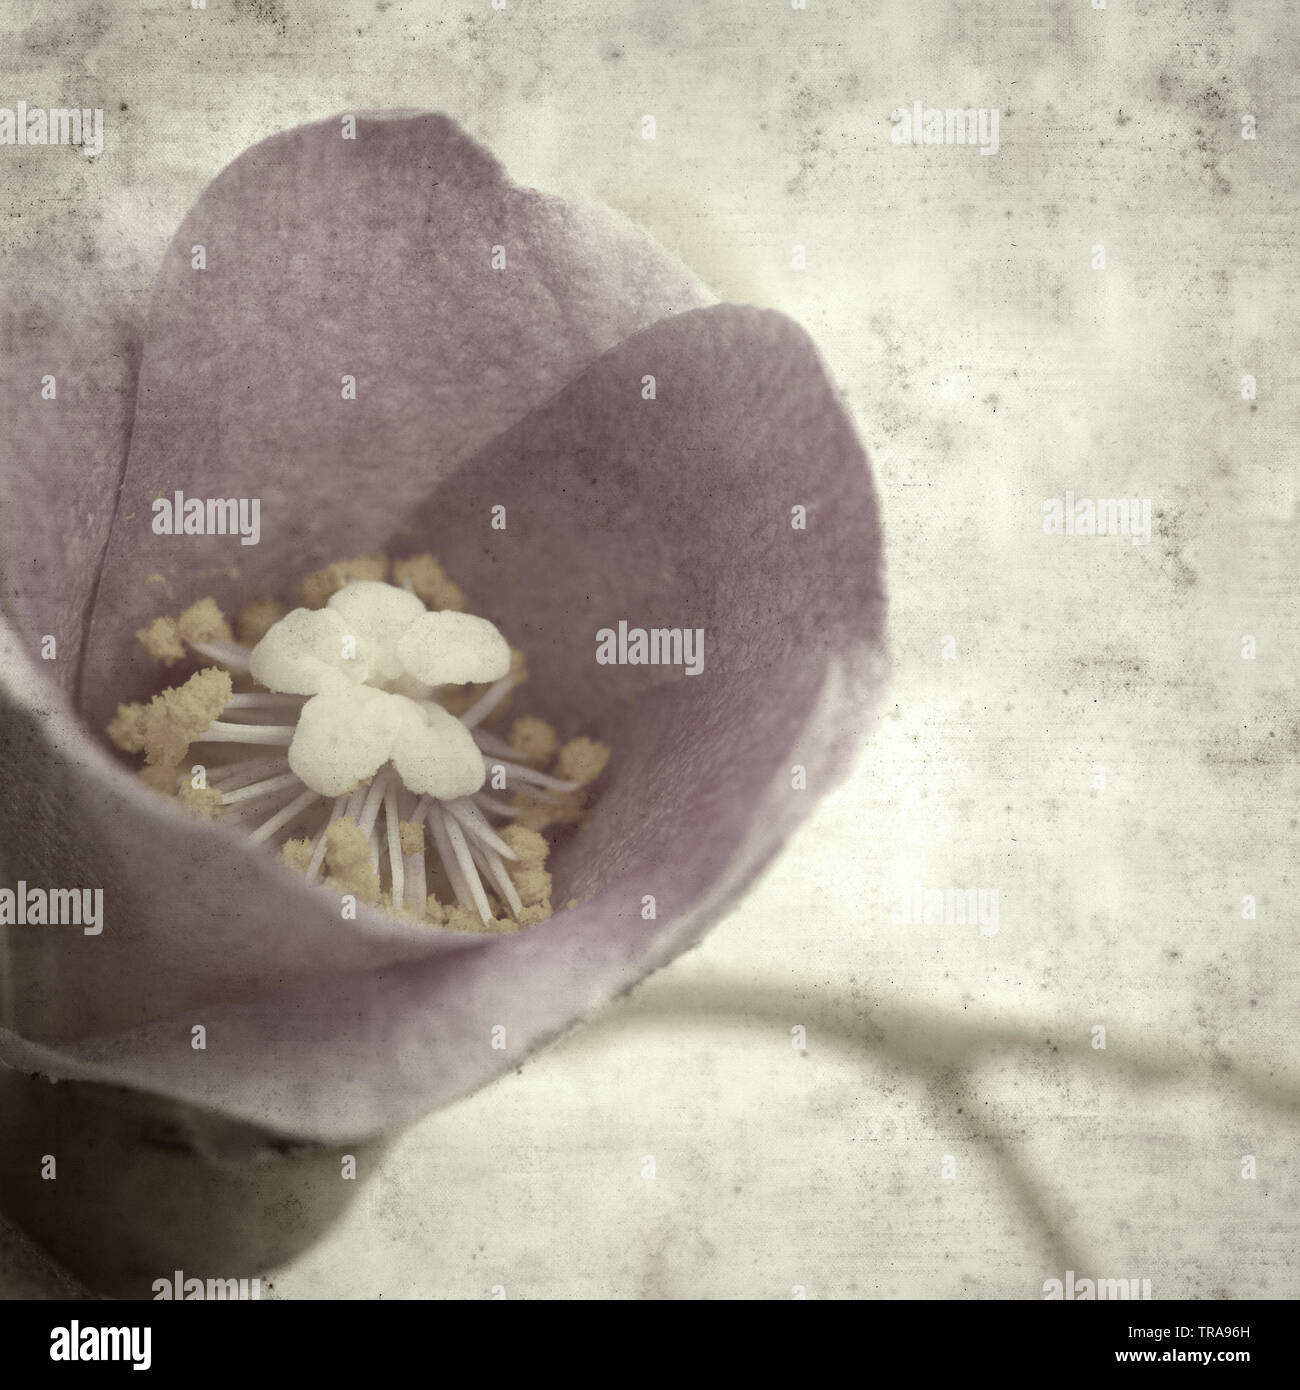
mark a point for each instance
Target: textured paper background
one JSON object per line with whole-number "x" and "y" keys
{"x": 990, "y": 367}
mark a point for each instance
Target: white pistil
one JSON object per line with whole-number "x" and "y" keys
{"x": 221, "y": 732}
{"x": 487, "y": 702}
{"x": 498, "y": 808}
{"x": 282, "y": 818}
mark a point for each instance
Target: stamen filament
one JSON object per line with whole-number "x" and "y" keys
{"x": 276, "y": 785}
{"x": 417, "y": 882}
{"x": 263, "y": 788}
{"x": 245, "y": 717}
{"x": 531, "y": 775}
{"x": 243, "y": 811}
{"x": 500, "y": 877}
{"x": 259, "y": 699}
{"x": 370, "y": 807}
{"x": 318, "y": 849}
{"x": 487, "y": 702}
{"x": 474, "y": 821}
{"x": 490, "y": 743}
{"x": 460, "y": 848}
{"x": 396, "y": 869}
{"x": 282, "y": 818}
{"x": 229, "y": 654}
{"x": 246, "y": 770}
{"x": 221, "y": 732}
{"x": 437, "y": 824}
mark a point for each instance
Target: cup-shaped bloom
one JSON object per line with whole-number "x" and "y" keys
{"x": 387, "y": 344}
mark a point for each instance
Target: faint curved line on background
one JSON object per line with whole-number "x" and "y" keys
{"x": 937, "y": 1049}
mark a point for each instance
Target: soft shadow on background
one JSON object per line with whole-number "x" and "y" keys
{"x": 1090, "y": 742}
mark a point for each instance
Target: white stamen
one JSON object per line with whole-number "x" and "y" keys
{"x": 244, "y": 812}
{"x": 487, "y": 702}
{"x": 373, "y": 724}
{"x": 356, "y": 800}
{"x": 282, "y": 818}
{"x": 370, "y": 807}
{"x": 229, "y": 654}
{"x": 220, "y": 732}
{"x": 451, "y": 866}
{"x": 244, "y": 717}
{"x": 532, "y": 776}
{"x": 500, "y": 877}
{"x": 236, "y": 774}
{"x": 489, "y": 743}
{"x": 396, "y": 870}
{"x": 476, "y": 823}
{"x": 368, "y": 820}
{"x": 318, "y": 849}
{"x": 417, "y": 882}
{"x": 263, "y": 788}
{"x": 460, "y": 848}
{"x": 259, "y": 699}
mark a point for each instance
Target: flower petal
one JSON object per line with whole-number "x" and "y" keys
{"x": 61, "y": 457}
{"x": 331, "y": 262}
{"x": 226, "y": 406}
{"x": 193, "y": 917}
{"x": 673, "y": 512}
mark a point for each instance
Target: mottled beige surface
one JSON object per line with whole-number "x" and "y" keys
{"x": 990, "y": 367}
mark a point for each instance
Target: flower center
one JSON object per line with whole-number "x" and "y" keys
{"x": 378, "y": 703}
